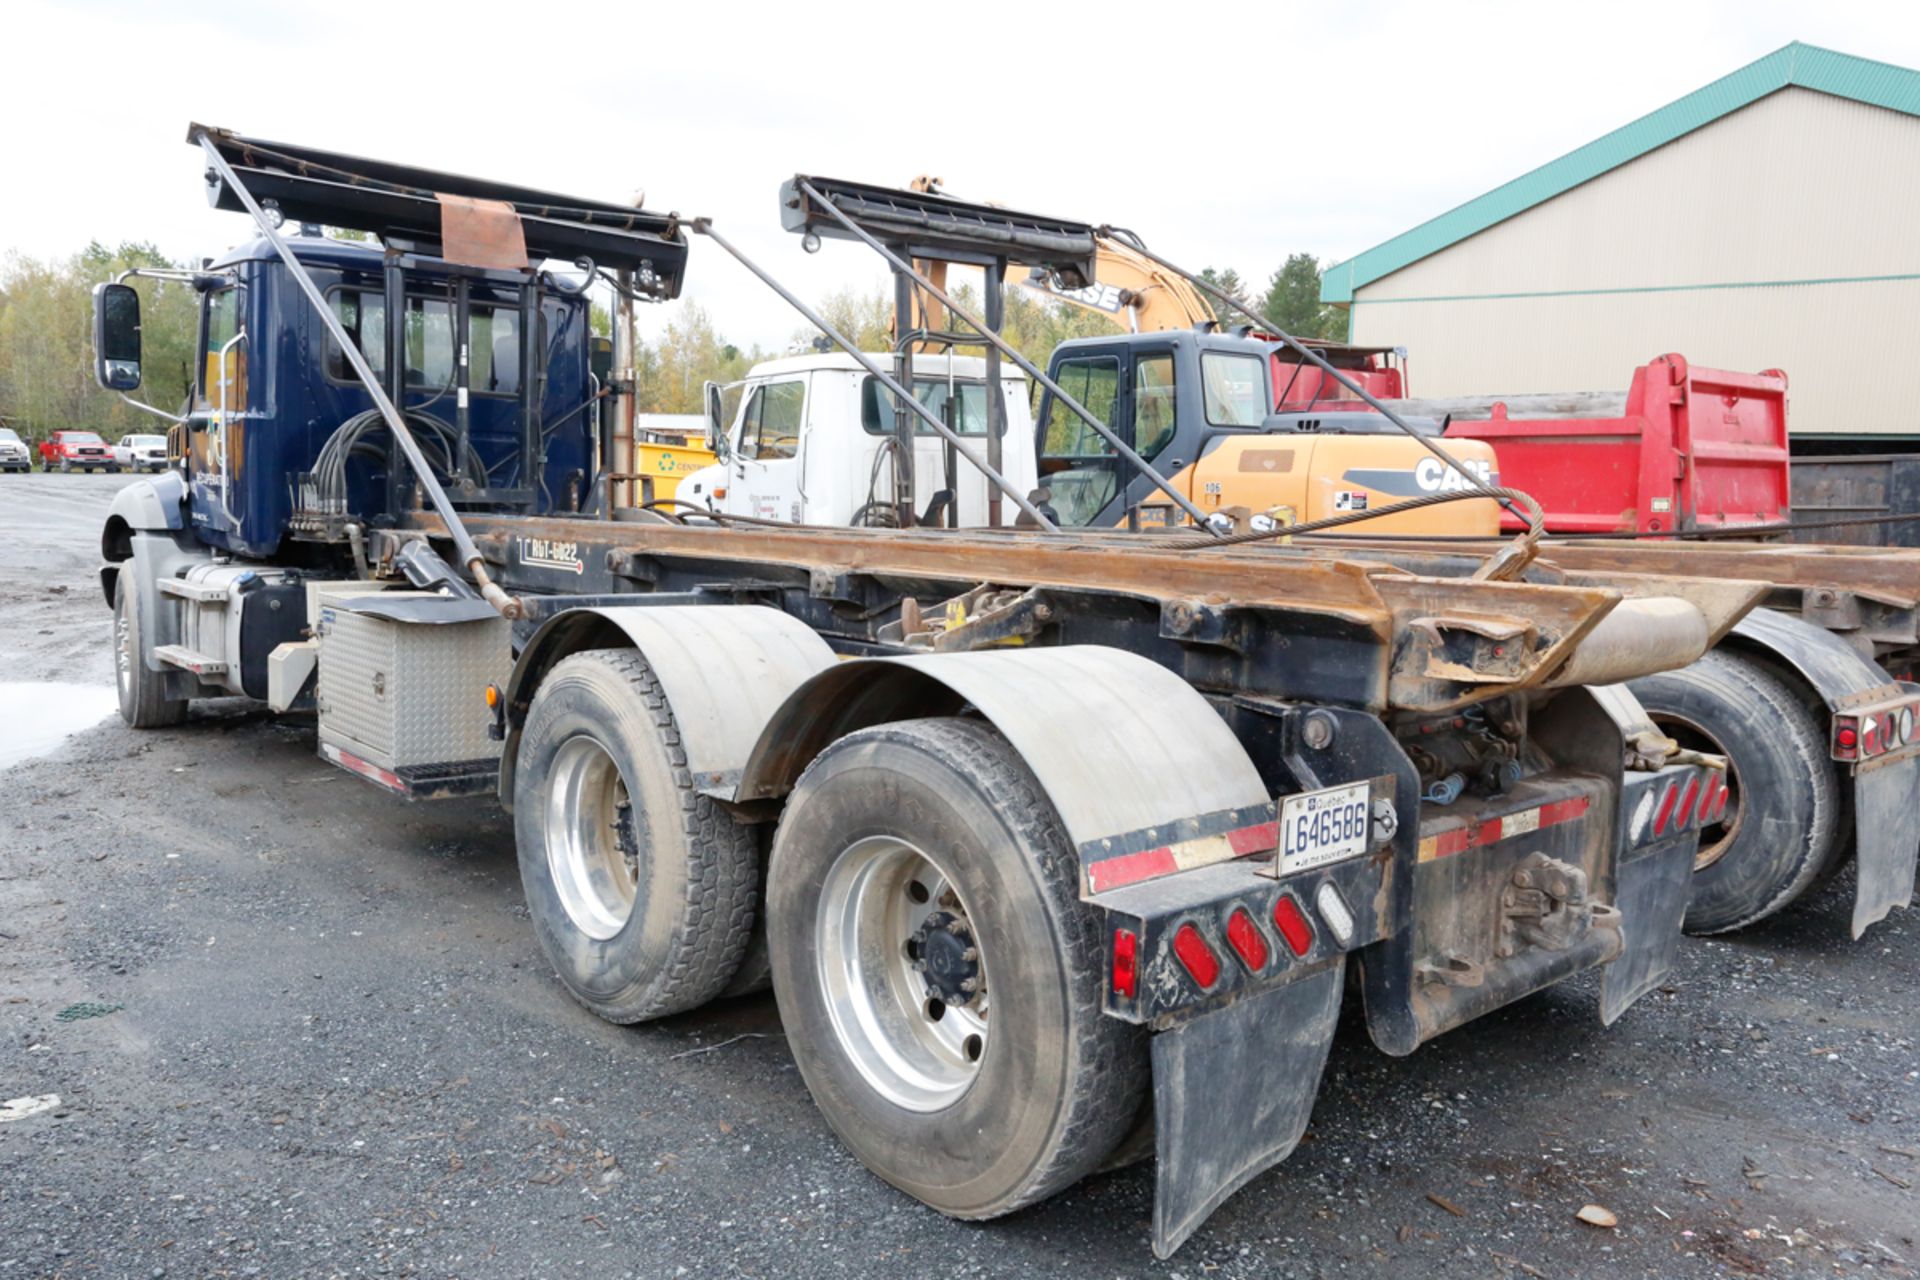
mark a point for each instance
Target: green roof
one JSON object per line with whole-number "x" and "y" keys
{"x": 1806, "y": 66}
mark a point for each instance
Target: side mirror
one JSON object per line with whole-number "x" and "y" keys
{"x": 116, "y": 337}
{"x": 716, "y": 421}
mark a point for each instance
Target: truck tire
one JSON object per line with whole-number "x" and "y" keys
{"x": 642, "y": 891}
{"x": 143, "y": 700}
{"x": 755, "y": 973}
{"x": 911, "y": 859}
{"x": 1781, "y": 828}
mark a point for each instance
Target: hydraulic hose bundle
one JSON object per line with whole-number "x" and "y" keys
{"x": 450, "y": 457}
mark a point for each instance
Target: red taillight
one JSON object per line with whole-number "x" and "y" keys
{"x": 1846, "y": 738}
{"x": 1126, "y": 963}
{"x": 1720, "y": 801}
{"x": 1244, "y": 937}
{"x": 1685, "y": 811}
{"x": 1291, "y": 921}
{"x": 1710, "y": 792}
{"x": 1870, "y": 737}
{"x": 1664, "y": 813}
{"x": 1195, "y": 956}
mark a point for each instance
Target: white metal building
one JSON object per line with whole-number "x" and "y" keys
{"x": 1765, "y": 221}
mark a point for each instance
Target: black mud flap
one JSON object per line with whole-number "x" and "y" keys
{"x": 1653, "y": 887}
{"x": 1886, "y": 826}
{"x": 1264, "y": 1052}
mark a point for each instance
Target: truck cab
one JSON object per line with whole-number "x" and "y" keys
{"x": 1201, "y": 409}
{"x": 809, "y": 440}
{"x": 259, "y": 465}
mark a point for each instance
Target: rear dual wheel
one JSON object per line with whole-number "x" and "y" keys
{"x": 937, "y": 975}
{"x": 1780, "y": 834}
{"x": 642, "y": 891}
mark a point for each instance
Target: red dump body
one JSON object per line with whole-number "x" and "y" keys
{"x": 1690, "y": 448}
{"x": 1302, "y": 388}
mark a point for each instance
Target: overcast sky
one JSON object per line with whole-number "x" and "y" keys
{"x": 1227, "y": 134}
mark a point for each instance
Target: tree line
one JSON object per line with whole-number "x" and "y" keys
{"x": 46, "y": 358}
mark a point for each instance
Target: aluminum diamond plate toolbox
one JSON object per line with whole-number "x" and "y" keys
{"x": 404, "y": 693}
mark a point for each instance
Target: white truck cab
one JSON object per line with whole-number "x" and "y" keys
{"x": 809, "y": 440}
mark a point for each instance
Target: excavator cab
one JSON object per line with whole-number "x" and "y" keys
{"x": 1200, "y": 408}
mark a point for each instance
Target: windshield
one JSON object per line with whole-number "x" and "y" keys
{"x": 8, "y": 436}
{"x": 143, "y": 442}
{"x": 81, "y": 437}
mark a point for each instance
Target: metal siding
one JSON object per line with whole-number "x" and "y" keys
{"x": 1816, "y": 333}
{"x": 1798, "y": 186}
{"x": 1858, "y": 79}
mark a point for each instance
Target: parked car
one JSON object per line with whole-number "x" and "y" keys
{"x": 70, "y": 450}
{"x": 13, "y": 452}
{"x": 141, "y": 453}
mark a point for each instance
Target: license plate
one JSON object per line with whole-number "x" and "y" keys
{"x": 1326, "y": 826}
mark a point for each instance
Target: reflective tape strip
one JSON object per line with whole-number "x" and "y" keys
{"x": 1444, "y": 844}
{"x": 365, "y": 768}
{"x": 1163, "y": 860}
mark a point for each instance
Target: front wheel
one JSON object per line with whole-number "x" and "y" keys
{"x": 1780, "y": 832}
{"x": 938, "y": 977}
{"x": 143, "y": 700}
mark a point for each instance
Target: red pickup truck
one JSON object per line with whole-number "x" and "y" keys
{"x": 70, "y": 450}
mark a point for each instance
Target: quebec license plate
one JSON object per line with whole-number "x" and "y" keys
{"x": 1325, "y": 826}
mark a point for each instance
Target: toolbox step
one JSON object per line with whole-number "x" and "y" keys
{"x": 178, "y": 655}
{"x": 193, "y": 591}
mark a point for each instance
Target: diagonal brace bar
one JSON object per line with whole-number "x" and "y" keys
{"x": 1500, "y": 566}
{"x": 463, "y": 544}
{"x": 1138, "y": 463}
{"x": 704, "y": 226}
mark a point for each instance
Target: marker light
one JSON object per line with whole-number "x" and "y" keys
{"x": 1685, "y": 813}
{"x": 1642, "y": 817}
{"x": 1244, "y": 937}
{"x": 1195, "y": 956}
{"x": 1126, "y": 963}
{"x": 1665, "y": 811}
{"x": 1293, "y": 926}
{"x": 1333, "y": 909}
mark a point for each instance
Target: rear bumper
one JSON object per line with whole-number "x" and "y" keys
{"x": 1240, "y": 971}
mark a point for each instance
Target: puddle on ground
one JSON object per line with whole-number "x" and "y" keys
{"x": 37, "y": 718}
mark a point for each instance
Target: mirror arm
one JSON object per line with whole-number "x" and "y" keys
{"x": 144, "y": 407}
{"x": 157, "y": 273}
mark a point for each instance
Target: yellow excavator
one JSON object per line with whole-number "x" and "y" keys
{"x": 1235, "y": 419}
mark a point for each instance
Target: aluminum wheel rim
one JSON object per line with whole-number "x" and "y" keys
{"x": 592, "y": 848}
{"x": 123, "y": 647}
{"x": 1696, "y": 738}
{"x": 915, "y": 1050}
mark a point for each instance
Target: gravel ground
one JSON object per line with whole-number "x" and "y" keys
{"x": 334, "y": 1050}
